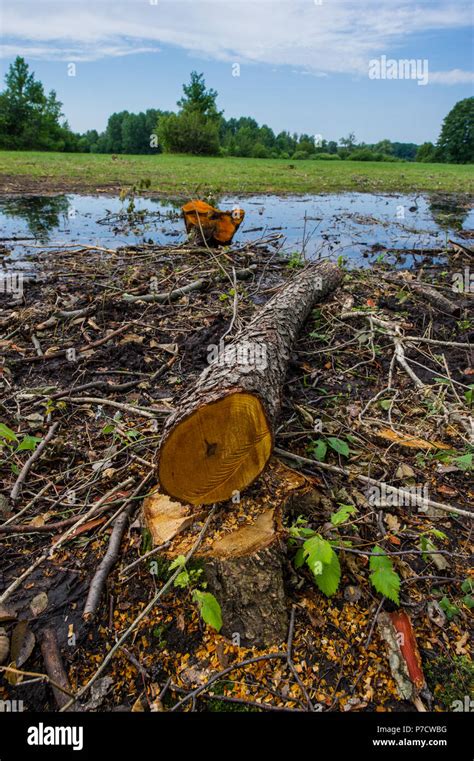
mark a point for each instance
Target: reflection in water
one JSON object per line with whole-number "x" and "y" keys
{"x": 448, "y": 212}
{"x": 42, "y": 214}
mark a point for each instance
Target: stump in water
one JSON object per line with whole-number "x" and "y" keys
{"x": 209, "y": 225}
{"x": 221, "y": 436}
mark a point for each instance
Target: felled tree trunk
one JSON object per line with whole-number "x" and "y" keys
{"x": 221, "y": 436}
{"x": 209, "y": 225}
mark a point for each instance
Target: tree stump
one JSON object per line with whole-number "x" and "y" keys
{"x": 245, "y": 573}
{"x": 208, "y": 225}
{"x": 243, "y": 554}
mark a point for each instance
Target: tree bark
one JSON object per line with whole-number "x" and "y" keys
{"x": 251, "y": 593}
{"x": 221, "y": 436}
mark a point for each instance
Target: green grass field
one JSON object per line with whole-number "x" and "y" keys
{"x": 31, "y": 171}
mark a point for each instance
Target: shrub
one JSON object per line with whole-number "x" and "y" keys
{"x": 364, "y": 154}
{"x": 326, "y": 157}
{"x": 300, "y": 155}
{"x": 259, "y": 151}
{"x": 389, "y": 157}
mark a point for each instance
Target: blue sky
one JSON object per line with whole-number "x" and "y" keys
{"x": 303, "y": 65}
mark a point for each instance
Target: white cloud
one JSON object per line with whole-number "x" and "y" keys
{"x": 339, "y": 36}
{"x": 453, "y": 77}
{"x": 77, "y": 54}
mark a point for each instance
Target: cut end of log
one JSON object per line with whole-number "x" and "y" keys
{"x": 218, "y": 450}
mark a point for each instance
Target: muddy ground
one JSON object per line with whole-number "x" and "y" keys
{"x": 72, "y": 346}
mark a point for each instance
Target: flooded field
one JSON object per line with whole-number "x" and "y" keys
{"x": 361, "y": 227}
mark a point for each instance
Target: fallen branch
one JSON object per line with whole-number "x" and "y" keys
{"x": 430, "y": 295}
{"x": 63, "y": 352}
{"x": 102, "y": 384}
{"x": 54, "y": 667}
{"x": 162, "y": 298}
{"x": 147, "y": 412}
{"x": 65, "y": 315}
{"x": 35, "y": 674}
{"x": 108, "y": 561}
{"x": 15, "y": 492}
{"x": 48, "y": 528}
{"x": 414, "y": 500}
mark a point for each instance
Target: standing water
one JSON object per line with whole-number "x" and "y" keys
{"x": 357, "y": 226}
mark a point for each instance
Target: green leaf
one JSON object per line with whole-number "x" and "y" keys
{"x": 426, "y": 546}
{"x": 177, "y": 562}
{"x": 323, "y": 563}
{"x": 108, "y": 428}
{"x": 182, "y": 580}
{"x": 437, "y": 533}
{"x": 299, "y": 558}
{"x": 328, "y": 580}
{"x": 385, "y": 403}
{"x": 317, "y": 552}
{"x": 342, "y": 514}
{"x": 450, "y": 609}
{"x": 379, "y": 560}
{"x": 468, "y": 601}
{"x": 383, "y": 578}
{"x": 318, "y": 449}
{"x": 464, "y": 462}
{"x": 132, "y": 434}
{"x": 467, "y": 586}
{"x": 339, "y": 446}
{"x": 469, "y": 395}
{"x": 28, "y": 442}
{"x": 7, "y": 433}
{"x": 209, "y": 609}
{"x": 299, "y": 528}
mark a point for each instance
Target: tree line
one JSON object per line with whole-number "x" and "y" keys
{"x": 32, "y": 120}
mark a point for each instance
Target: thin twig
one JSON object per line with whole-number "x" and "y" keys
{"x": 15, "y": 492}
